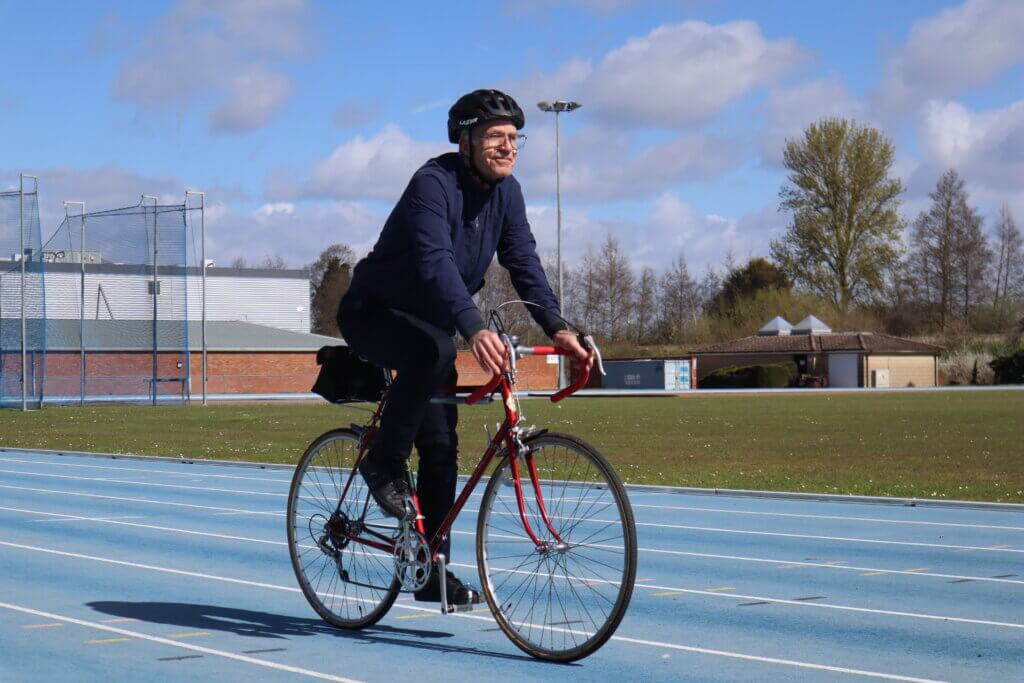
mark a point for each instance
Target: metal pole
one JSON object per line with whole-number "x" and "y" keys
{"x": 81, "y": 303}
{"x": 24, "y": 357}
{"x": 202, "y": 243}
{"x": 156, "y": 284}
{"x": 558, "y": 202}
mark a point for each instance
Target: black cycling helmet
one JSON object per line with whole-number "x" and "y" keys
{"x": 481, "y": 106}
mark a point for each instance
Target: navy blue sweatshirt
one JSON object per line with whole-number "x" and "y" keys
{"x": 437, "y": 243}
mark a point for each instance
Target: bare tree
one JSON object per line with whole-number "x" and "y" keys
{"x": 974, "y": 258}
{"x": 680, "y": 301}
{"x": 1009, "y": 254}
{"x": 948, "y": 251}
{"x": 645, "y": 305}
{"x": 273, "y": 262}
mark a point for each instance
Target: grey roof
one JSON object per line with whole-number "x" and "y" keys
{"x": 838, "y": 342}
{"x": 811, "y": 325}
{"x": 777, "y": 326}
{"x": 137, "y": 335}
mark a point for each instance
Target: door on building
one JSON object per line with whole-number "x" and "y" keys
{"x": 844, "y": 370}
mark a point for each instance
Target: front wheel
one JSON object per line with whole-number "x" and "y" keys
{"x": 562, "y": 596}
{"x": 348, "y": 583}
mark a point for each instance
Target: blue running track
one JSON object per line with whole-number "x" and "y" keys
{"x": 158, "y": 570}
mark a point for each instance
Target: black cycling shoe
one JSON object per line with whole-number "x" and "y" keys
{"x": 458, "y": 593}
{"x": 390, "y": 488}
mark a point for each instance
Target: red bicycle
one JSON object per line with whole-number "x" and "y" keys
{"x": 556, "y": 540}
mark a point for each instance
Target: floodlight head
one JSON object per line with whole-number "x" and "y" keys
{"x": 559, "y": 106}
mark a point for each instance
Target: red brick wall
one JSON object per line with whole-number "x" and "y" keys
{"x": 236, "y": 372}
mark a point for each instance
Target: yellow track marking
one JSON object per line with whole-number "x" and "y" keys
{"x": 872, "y": 573}
{"x": 104, "y": 641}
{"x": 722, "y": 588}
{"x": 916, "y": 569}
{"x": 116, "y": 621}
{"x": 193, "y": 634}
{"x": 668, "y": 593}
{"x": 414, "y": 616}
{"x": 42, "y": 625}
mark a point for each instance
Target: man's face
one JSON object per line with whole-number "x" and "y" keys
{"x": 493, "y": 153}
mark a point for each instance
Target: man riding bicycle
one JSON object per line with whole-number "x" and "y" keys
{"x": 414, "y": 290}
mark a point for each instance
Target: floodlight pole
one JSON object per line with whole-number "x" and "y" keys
{"x": 24, "y": 334}
{"x": 559, "y": 106}
{"x": 202, "y": 242}
{"x": 81, "y": 304}
{"x": 156, "y": 284}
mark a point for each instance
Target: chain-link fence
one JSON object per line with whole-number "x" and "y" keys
{"x": 23, "y": 330}
{"x": 119, "y": 297}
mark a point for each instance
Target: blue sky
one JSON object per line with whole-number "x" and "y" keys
{"x": 304, "y": 120}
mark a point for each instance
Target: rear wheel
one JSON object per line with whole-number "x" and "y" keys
{"x": 562, "y": 599}
{"x": 349, "y": 584}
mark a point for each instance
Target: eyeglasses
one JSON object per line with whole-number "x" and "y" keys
{"x": 492, "y": 140}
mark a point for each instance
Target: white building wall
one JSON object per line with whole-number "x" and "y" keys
{"x": 281, "y": 302}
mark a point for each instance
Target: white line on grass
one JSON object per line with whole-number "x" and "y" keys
{"x": 176, "y": 643}
{"x": 623, "y": 639}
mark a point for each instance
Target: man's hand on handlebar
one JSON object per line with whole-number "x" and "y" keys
{"x": 490, "y": 352}
{"x": 567, "y": 340}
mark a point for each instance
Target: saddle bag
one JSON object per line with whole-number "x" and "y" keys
{"x": 345, "y": 377}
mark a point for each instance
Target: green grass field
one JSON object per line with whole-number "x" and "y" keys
{"x": 959, "y": 445}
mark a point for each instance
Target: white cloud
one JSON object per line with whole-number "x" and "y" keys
{"x": 672, "y": 228}
{"x": 255, "y": 97}
{"x": 793, "y": 109}
{"x": 986, "y": 148}
{"x": 377, "y": 167}
{"x": 600, "y": 163}
{"x": 677, "y": 75}
{"x": 220, "y": 50}
{"x": 296, "y": 233}
{"x": 959, "y": 48}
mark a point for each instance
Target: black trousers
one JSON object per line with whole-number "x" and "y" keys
{"x": 423, "y": 357}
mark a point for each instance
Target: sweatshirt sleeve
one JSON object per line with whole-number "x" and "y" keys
{"x": 517, "y": 252}
{"x": 427, "y": 215}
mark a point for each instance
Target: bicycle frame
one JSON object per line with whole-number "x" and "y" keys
{"x": 508, "y": 435}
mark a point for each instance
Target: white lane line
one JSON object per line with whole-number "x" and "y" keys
{"x": 144, "y": 469}
{"x": 781, "y": 563}
{"x": 681, "y": 553}
{"x": 69, "y": 518}
{"x": 108, "y": 480}
{"x": 489, "y": 619}
{"x": 147, "y": 501}
{"x": 589, "y": 520}
{"x": 631, "y": 495}
{"x": 780, "y": 601}
{"x": 877, "y": 520}
{"x": 176, "y": 643}
{"x": 152, "y": 527}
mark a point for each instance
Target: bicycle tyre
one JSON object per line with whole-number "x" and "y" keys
{"x": 588, "y": 507}
{"x": 312, "y": 498}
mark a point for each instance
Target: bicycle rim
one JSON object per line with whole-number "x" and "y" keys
{"x": 563, "y": 602}
{"x": 350, "y": 585}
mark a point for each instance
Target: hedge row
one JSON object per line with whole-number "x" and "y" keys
{"x": 774, "y": 375}
{"x": 1009, "y": 369}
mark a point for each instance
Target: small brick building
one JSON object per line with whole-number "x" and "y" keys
{"x": 841, "y": 359}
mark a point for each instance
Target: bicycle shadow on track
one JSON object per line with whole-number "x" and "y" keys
{"x": 256, "y": 624}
